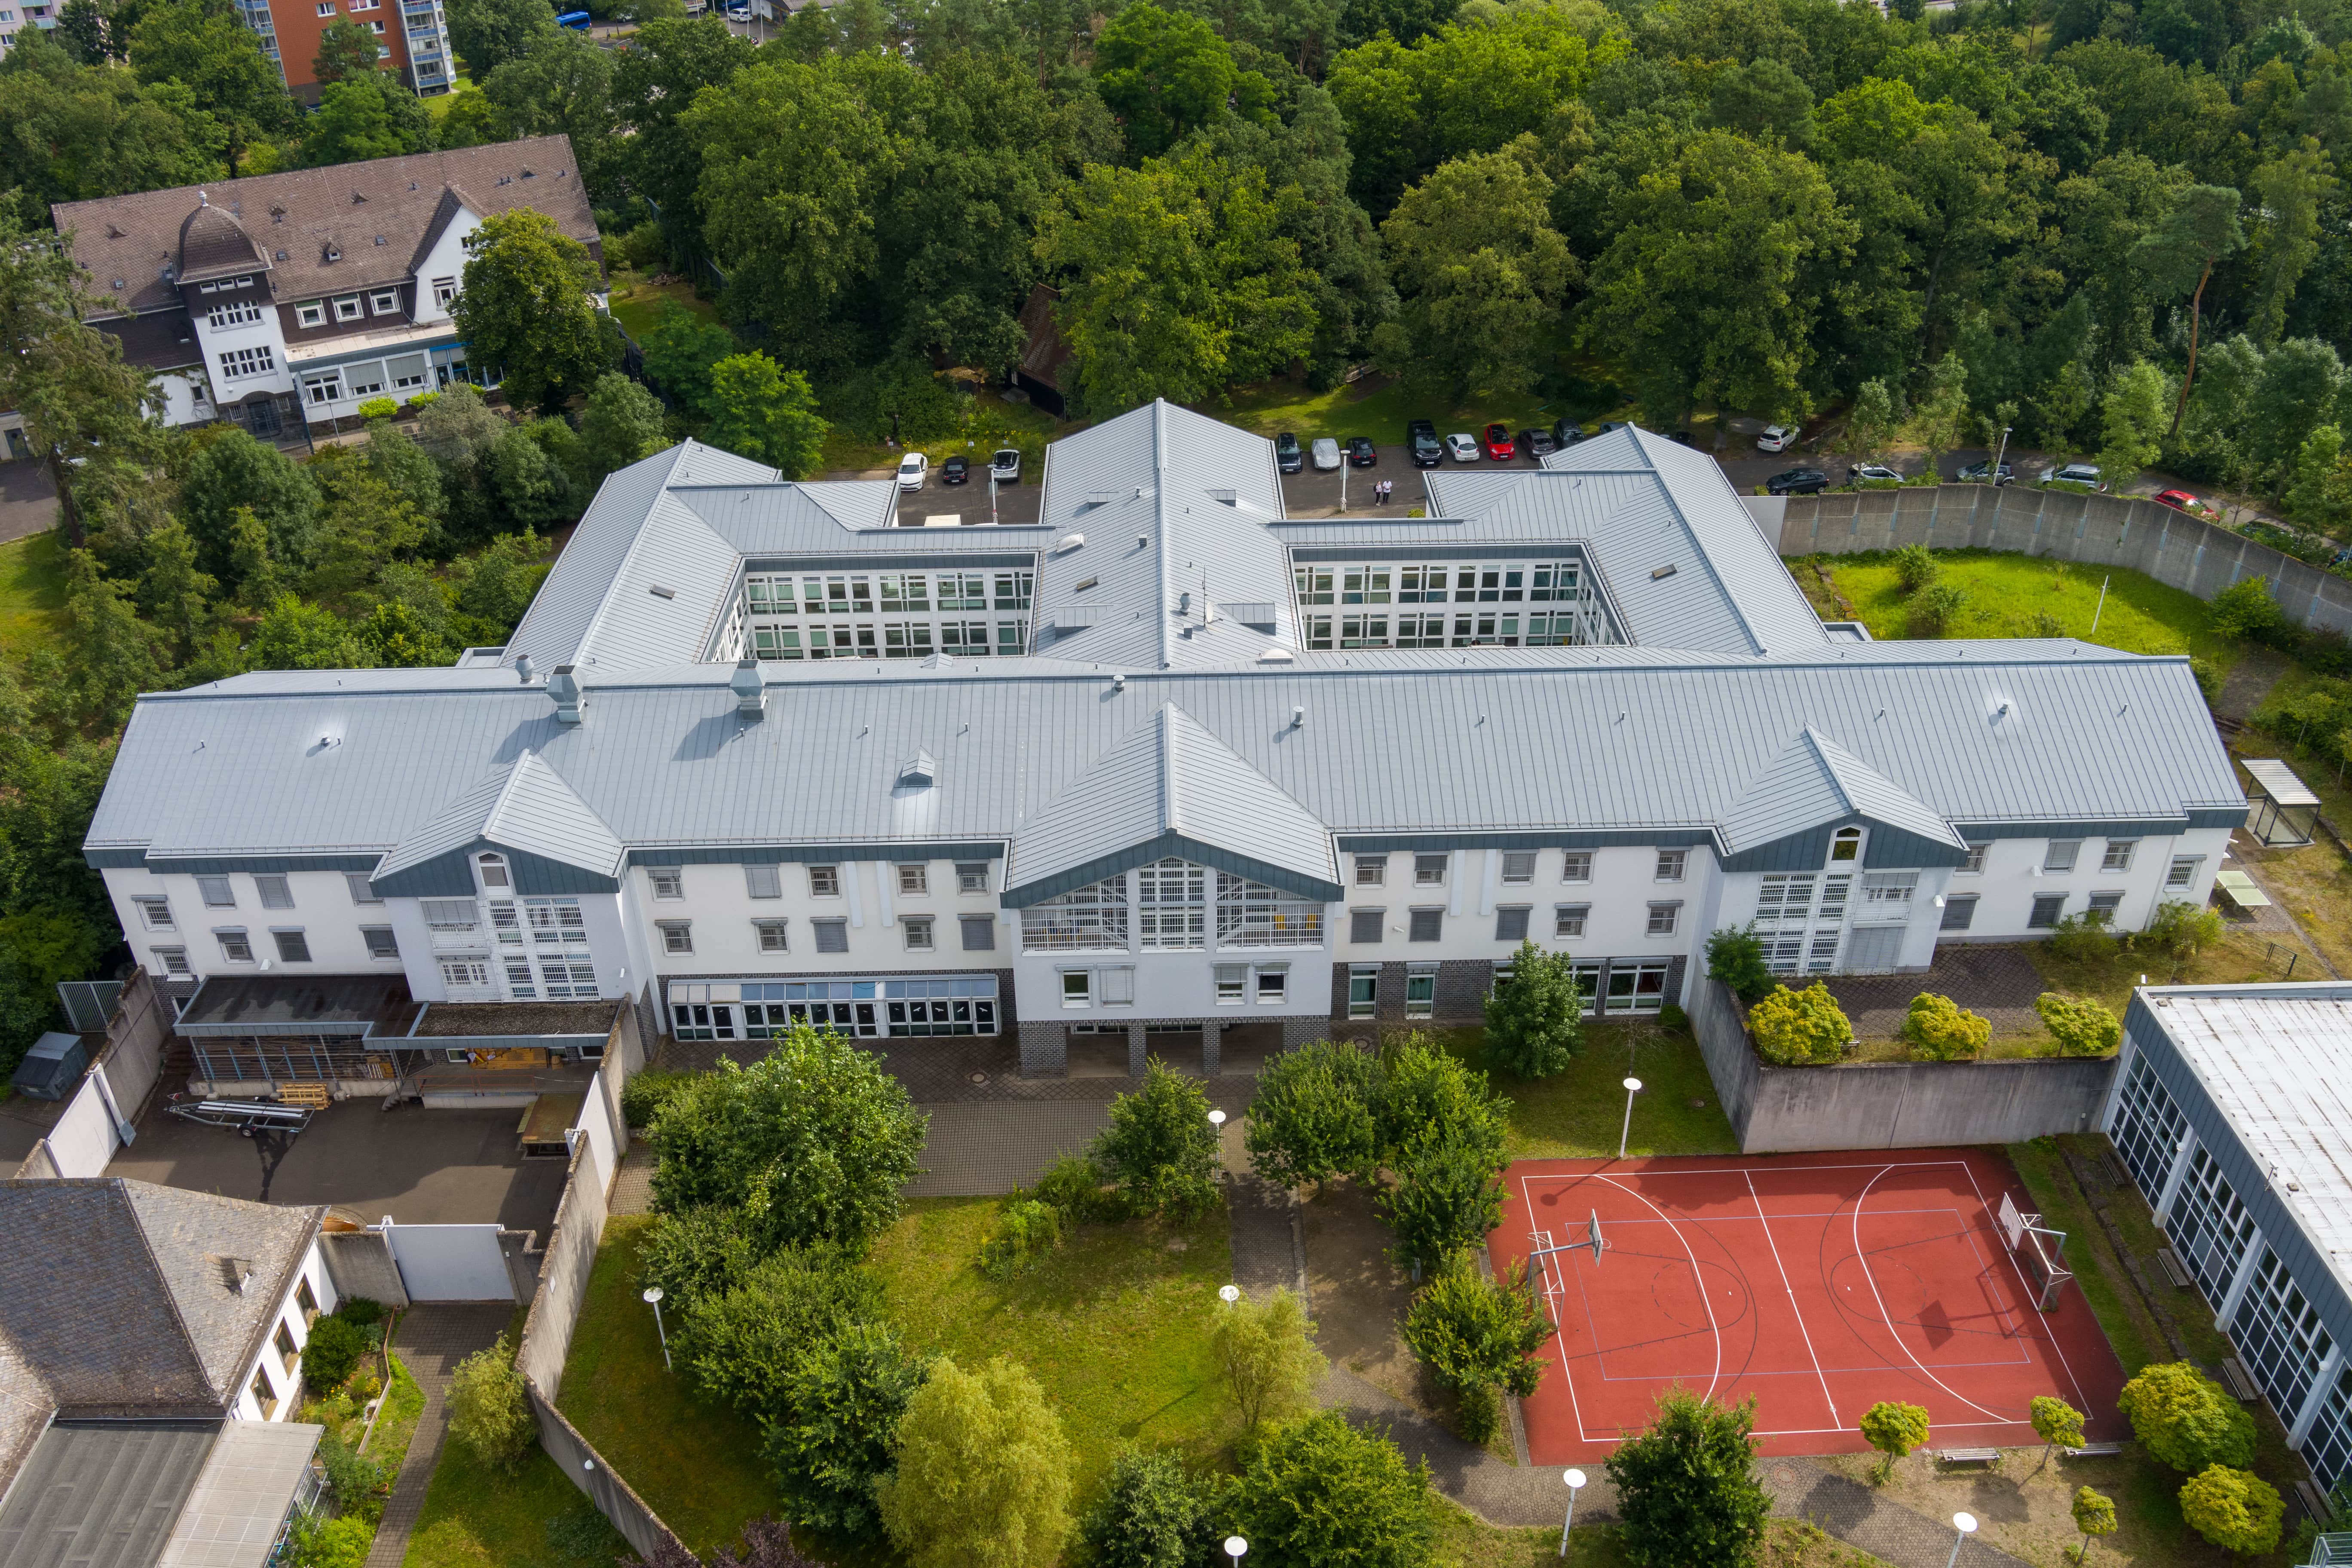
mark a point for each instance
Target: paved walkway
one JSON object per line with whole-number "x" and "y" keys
{"x": 1996, "y": 983}
{"x": 430, "y": 1342}
{"x": 28, "y": 500}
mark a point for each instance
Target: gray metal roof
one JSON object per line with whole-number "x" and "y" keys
{"x": 1817, "y": 781}
{"x": 242, "y": 1496}
{"x": 524, "y": 805}
{"x": 2279, "y": 783}
{"x": 102, "y": 1496}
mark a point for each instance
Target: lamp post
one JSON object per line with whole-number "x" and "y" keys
{"x": 1633, "y": 1088}
{"x": 1234, "y": 1547}
{"x": 1575, "y": 1480}
{"x": 654, "y": 1299}
{"x": 1229, "y": 1294}
{"x": 1999, "y": 452}
{"x": 1964, "y": 1525}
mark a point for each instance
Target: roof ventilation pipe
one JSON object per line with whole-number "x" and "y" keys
{"x": 565, "y": 686}
{"x": 523, "y": 671}
{"x": 1298, "y": 718}
{"x": 1119, "y": 683}
{"x": 750, "y": 689}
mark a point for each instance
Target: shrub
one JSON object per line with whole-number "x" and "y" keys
{"x": 1265, "y": 1350}
{"x": 2233, "y": 1509}
{"x": 1320, "y": 1491}
{"x": 1024, "y": 1232}
{"x": 1894, "y": 1429}
{"x": 1734, "y": 955}
{"x": 2084, "y": 938}
{"x": 642, "y": 1097}
{"x": 1940, "y": 1029}
{"x": 1422, "y": 1095}
{"x": 330, "y": 1543}
{"x": 2208, "y": 676}
{"x": 379, "y": 408}
{"x": 738, "y": 1344}
{"x": 984, "y": 1473}
{"x": 363, "y": 1311}
{"x": 1934, "y": 608}
{"x": 423, "y": 400}
{"x": 1534, "y": 1019}
{"x": 1153, "y": 1513}
{"x": 2246, "y": 609}
{"x": 1915, "y": 567}
{"x": 2081, "y": 1026}
{"x": 363, "y": 1386}
{"x": 1446, "y": 1198}
{"x": 332, "y": 1353}
{"x": 700, "y": 1252}
{"x": 1687, "y": 1487}
{"x": 2326, "y": 650}
{"x": 1161, "y": 1147}
{"x": 2187, "y": 1420}
{"x": 488, "y": 1411}
{"x": 2093, "y": 1515}
{"x": 360, "y": 1484}
{"x": 1311, "y": 1118}
{"x": 2181, "y": 929}
{"x": 2055, "y": 1422}
{"x": 1477, "y": 1335}
{"x": 2044, "y": 624}
{"x": 842, "y": 1400}
{"x": 1074, "y": 1189}
{"x": 1800, "y": 1028}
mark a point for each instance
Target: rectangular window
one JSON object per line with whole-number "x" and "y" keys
{"x": 1090, "y": 918}
{"x": 669, "y": 881}
{"x": 238, "y": 363}
{"x": 1670, "y": 864}
{"x": 1421, "y": 991}
{"x": 293, "y": 947}
{"x": 1232, "y": 984}
{"x": 771, "y": 935}
{"x": 1511, "y": 923}
{"x": 1520, "y": 867}
{"x": 1974, "y": 864}
{"x": 238, "y": 315}
{"x": 310, "y": 314}
{"x": 2047, "y": 908}
{"x": 1250, "y": 914}
{"x": 347, "y": 308}
{"x": 263, "y": 1394}
{"x": 1636, "y": 987}
{"x": 2105, "y": 905}
{"x": 972, "y": 876}
{"x": 1172, "y": 900}
{"x": 1588, "y": 987}
{"x": 1576, "y": 865}
{"x": 1664, "y": 918}
{"x": 979, "y": 932}
{"x": 763, "y": 881}
{"x": 1429, "y": 870}
{"x": 1428, "y": 925}
{"x": 362, "y": 890}
{"x": 825, "y": 882}
{"x": 1363, "y": 990}
{"x": 384, "y": 301}
{"x": 915, "y": 879}
{"x": 155, "y": 914}
{"x": 1887, "y": 894}
{"x": 274, "y": 893}
{"x": 1272, "y": 986}
{"x": 326, "y": 386}
{"x": 2118, "y": 857}
{"x": 445, "y": 290}
{"x": 1117, "y": 986}
{"x": 678, "y": 936}
{"x": 1371, "y": 870}
{"x": 832, "y": 936}
{"x": 1568, "y": 919}
{"x": 381, "y": 942}
{"x": 450, "y": 914}
{"x": 1960, "y": 911}
{"x": 1077, "y": 987}
{"x": 174, "y": 959}
{"x": 2060, "y": 855}
{"x": 919, "y": 932}
{"x": 1364, "y": 925}
{"x": 2183, "y": 872}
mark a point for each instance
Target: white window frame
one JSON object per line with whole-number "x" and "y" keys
{"x": 444, "y": 293}
{"x": 1077, "y": 987}
{"x": 1576, "y": 867}
{"x": 236, "y": 944}
{"x": 2060, "y": 855}
{"x": 914, "y": 876}
{"x": 1429, "y": 870}
{"x": 207, "y": 884}
{"x": 154, "y": 911}
{"x": 762, "y": 882}
{"x": 492, "y": 870}
{"x": 1272, "y": 986}
{"x": 1665, "y": 918}
{"x": 1569, "y": 920}
{"x": 972, "y": 876}
{"x": 242, "y": 364}
{"x": 325, "y": 386}
{"x": 1505, "y": 917}
{"x": 1959, "y": 912}
{"x": 921, "y": 932}
{"x": 2182, "y": 875}
{"x": 349, "y": 307}
{"x": 773, "y": 933}
{"x": 363, "y": 891}
{"x": 1672, "y": 866}
{"x": 2117, "y": 855}
{"x": 1371, "y": 870}
{"x": 274, "y": 889}
{"x": 1114, "y": 985}
{"x": 310, "y": 314}
{"x": 387, "y": 947}
{"x": 1974, "y": 865}
{"x": 678, "y": 936}
{"x": 384, "y": 301}
{"x": 831, "y": 930}
{"x": 1368, "y": 974}
{"x": 825, "y": 882}
{"x": 668, "y": 882}
{"x": 174, "y": 959}
{"x": 292, "y": 943}
{"x": 1518, "y": 868}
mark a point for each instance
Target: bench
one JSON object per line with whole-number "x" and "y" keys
{"x": 1968, "y": 1455}
{"x": 2174, "y": 1270}
{"x": 2094, "y": 1451}
{"x": 2241, "y": 1381}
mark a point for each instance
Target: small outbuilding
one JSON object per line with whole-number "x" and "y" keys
{"x": 2284, "y": 809}
{"x": 52, "y": 1066}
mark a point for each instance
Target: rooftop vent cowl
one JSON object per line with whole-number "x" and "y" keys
{"x": 565, "y": 686}
{"x": 750, "y": 689}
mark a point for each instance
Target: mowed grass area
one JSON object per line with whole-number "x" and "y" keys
{"x": 32, "y": 592}
{"x": 1576, "y": 1114}
{"x": 1380, "y": 407}
{"x": 638, "y": 306}
{"x": 476, "y": 1517}
{"x": 2314, "y": 883}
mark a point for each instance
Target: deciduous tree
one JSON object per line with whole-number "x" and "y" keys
{"x": 525, "y": 307}
{"x": 2187, "y": 1420}
{"x": 1318, "y": 1491}
{"x": 486, "y": 34}
{"x": 218, "y": 59}
{"x": 1161, "y": 1147}
{"x": 1687, "y": 1488}
{"x": 2055, "y": 1422}
{"x": 1477, "y": 1335}
{"x": 984, "y": 1476}
{"x": 1535, "y": 1020}
{"x": 1163, "y": 73}
{"x": 2093, "y": 1515}
{"x": 1152, "y": 1513}
{"x": 2233, "y": 1509}
{"x": 1311, "y": 1117}
{"x": 1894, "y": 1429}
{"x": 766, "y": 414}
{"x": 346, "y": 48}
{"x": 1267, "y": 1352}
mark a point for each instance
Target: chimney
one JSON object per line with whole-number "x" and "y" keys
{"x": 750, "y": 688}
{"x": 565, "y": 686}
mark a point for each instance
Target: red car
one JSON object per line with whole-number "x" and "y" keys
{"x": 1499, "y": 445}
{"x": 2180, "y": 500}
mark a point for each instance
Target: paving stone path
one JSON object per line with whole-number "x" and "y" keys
{"x": 430, "y": 1342}
{"x": 1998, "y": 983}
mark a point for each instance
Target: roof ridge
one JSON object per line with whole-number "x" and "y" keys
{"x": 1172, "y": 813}
{"x": 612, "y": 593}
{"x": 1815, "y": 741}
{"x": 505, "y": 791}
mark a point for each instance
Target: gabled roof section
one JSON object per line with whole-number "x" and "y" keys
{"x": 1171, "y": 787}
{"x": 525, "y": 806}
{"x": 1815, "y": 782}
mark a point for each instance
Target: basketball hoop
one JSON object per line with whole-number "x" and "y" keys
{"x": 1593, "y": 1242}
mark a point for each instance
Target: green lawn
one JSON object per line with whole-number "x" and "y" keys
{"x": 1375, "y": 406}
{"x": 32, "y": 591}
{"x": 476, "y": 1517}
{"x": 1576, "y": 1114}
{"x": 397, "y": 1423}
{"x": 994, "y": 423}
{"x": 637, "y": 306}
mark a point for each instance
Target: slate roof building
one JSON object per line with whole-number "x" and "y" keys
{"x": 279, "y": 298}
{"x": 151, "y": 1346}
{"x": 1168, "y": 761}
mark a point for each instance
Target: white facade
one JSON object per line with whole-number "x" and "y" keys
{"x": 277, "y": 1370}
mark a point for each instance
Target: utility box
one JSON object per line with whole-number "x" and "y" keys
{"x": 52, "y": 1067}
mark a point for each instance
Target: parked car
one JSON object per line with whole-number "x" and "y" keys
{"x": 1462, "y": 446}
{"x": 1361, "y": 453}
{"x": 1499, "y": 445}
{"x": 2086, "y": 475}
{"x": 913, "y": 469}
{"x": 1980, "y": 472}
{"x": 1568, "y": 433}
{"x": 1327, "y": 454}
{"x": 1880, "y": 471}
{"x": 2181, "y": 500}
{"x": 1004, "y": 467}
{"x": 1777, "y": 438}
{"x": 955, "y": 470}
{"x": 1420, "y": 439}
{"x": 1288, "y": 455}
{"x": 1537, "y": 442}
{"x": 1797, "y": 482}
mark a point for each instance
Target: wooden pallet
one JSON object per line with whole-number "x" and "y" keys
{"x": 315, "y": 1096}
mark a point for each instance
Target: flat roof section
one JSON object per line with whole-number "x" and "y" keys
{"x": 102, "y": 1494}
{"x": 256, "y": 1005}
{"x": 242, "y": 1496}
{"x": 511, "y": 1020}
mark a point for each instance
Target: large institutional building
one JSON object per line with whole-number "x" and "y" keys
{"x": 1169, "y": 762}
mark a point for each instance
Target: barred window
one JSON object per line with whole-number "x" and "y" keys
{"x": 1090, "y": 918}
{"x": 1172, "y": 900}
{"x": 1250, "y": 914}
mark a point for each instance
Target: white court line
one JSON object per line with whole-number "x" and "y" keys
{"x": 2082, "y": 1400}
{"x": 1765, "y": 1225}
{"x": 1864, "y": 1259}
{"x": 1698, "y": 1279}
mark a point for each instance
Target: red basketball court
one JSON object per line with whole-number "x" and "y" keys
{"x": 1819, "y": 1283}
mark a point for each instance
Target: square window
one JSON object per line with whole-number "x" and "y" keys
{"x": 1960, "y": 911}
{"x": 310, "y": 314}
{"x": 771, "y": 935}
{"x": 445, "y": 290}
{"x": 1364, "y": 925}
{"x": 1421, "y": 991}
{"x": 1363, "y": 990}
{"x": 216, "y": 893}
{"x": 1232, "y": 984}
{"x": 292, "y": 946}
{"x": 1371, "y": 870}
{"x": 1576, "y": 865}
{"x": 1118, "y": 986}
{"x": 275, "y": 893}
{"x": 825, "y": 882}
{"x": 915, "y": 879}
{"x": 763, "y": 881}
{"x": 2183, "y": 871}
{"x": 1429, "y": 870}
{"x": 2118, "y": 857}
{"x": 493, "y": 868}
{"x": 1568, "y": 919}
{"x": 1664, "y": 918}
{"x": 155, "y": 914}
{"x": 1428, "y": 925}
{"x": 347, "y": 308}
{"x": 174, "y": 959}
{"x": 1974, "y": 864}
{"x": 384, "y": 301}
{"x": 236, "y": 946}
{"x": 1273, "y": 985}
{"x": 1511, "y": 924}
{"x": 1670, "y": 864}
{"x": 2104, "y": 905}
{"x": 678, "y": 936}
{"x": 381, "y": 942}
{"x": 972, "y": 876}
{"x": 2047, "y": 908}
{"x": 1520, "y": 867}
{"x": 979, "y": 932}
{"x": 919, "y": 932}
{"x": 362, "y": 890}
{"x": 1077, "y": 987}
{"x": 2060, "y": 855}
{"x": 832, "y": 936}
{"x": 670, "y": 882}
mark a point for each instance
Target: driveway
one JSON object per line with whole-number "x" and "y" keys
{"x": 28, "y": 501}
{"x": 420, "y": 1167}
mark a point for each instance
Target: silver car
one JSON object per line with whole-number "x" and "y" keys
{"x": 1004, "y": 467}
{"x": 1325, "y": 453}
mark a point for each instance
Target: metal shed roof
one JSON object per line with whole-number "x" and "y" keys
{"x": 102, "y": 1495}
{"x": 242, "y": 1496}
{"x": 2276, "y": 780}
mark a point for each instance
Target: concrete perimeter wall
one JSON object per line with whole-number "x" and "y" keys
{"x": 97, "y": 1119}
{"x": 360, "y": 1262}
{"x": 2170, "y": 546}
{"x": 613, "y": 1496}
{"x": 1887, "y": 1105}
